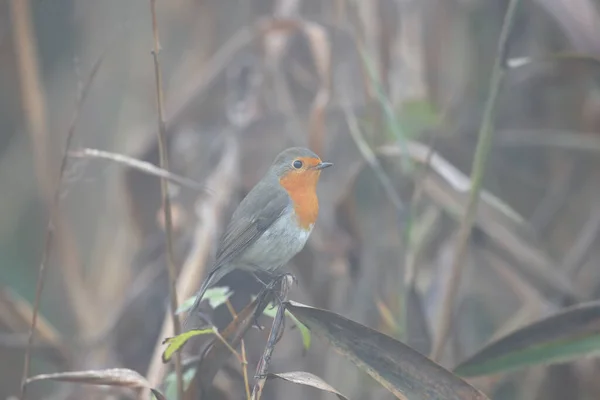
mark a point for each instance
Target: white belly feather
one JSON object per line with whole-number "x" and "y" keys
{"x": 278, "y": 244}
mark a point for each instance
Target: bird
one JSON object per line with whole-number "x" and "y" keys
{"x": 273, "y": 222}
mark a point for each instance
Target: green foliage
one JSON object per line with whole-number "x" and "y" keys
{"x": 559, "y": 338}
{"x": 271, "y": 310}
{"x": 176, "y": 342}
{"x": 216, "y": 296}
{"x": 171, "y": 382}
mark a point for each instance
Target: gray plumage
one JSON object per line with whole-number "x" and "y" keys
{"x": 260, "y": 230}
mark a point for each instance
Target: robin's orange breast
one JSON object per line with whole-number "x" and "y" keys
{"x": 302, "y": 189}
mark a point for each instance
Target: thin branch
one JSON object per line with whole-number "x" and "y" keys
{"x": 166, "y": 204}
{"x": 139, "y": 165}
{"x": 36, "y": 120}
{"x": 244, "y": 360}
{"x": 260, "y": 377}
{"x": 477, "y": 172}
{"x": 245, "y": 370}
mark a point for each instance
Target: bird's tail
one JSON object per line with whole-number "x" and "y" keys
{"x": 214, "y": 276}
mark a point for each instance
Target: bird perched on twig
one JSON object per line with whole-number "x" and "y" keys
{"x": 273, "y": 222}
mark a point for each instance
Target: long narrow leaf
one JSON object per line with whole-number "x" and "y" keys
{"x": 403, "y": 371}
{"x": 307, "y": 379}
{"x": 566, "y": 336}
{"x": 118, "y": 377}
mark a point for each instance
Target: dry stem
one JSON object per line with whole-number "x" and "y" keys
{"x": 166, "y": 204}
{"x": 263, "y": 366}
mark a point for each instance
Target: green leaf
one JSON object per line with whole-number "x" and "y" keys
{"x": 171, "y": 382}
{"x": 216, "y": 296}
{"x": 217, "y": 353}
{"x": 271, "y": 310}
{"x": 304, "y": 331}
{"x": 562, "y": 337}
{"x": 176, "y": 342}
{"x": 403, "y": 371}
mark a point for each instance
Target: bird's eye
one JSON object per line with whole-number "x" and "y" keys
{"x": 297, "y": 164}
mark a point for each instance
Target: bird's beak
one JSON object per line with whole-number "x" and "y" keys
{"x": 323, "y": 165}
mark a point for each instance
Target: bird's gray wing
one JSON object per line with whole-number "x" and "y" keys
{"x": 253, "y": 216}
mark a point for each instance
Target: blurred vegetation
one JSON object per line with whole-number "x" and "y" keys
{"x": 393, "y": 93}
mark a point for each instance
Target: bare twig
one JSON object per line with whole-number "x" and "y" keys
{"x": 477, "y": 173}
{"x": 260, "y": 378}
{"x": 36, "y": 121}
{"x": 245, "y": 370}
{"x": 16, "y": 312}
{"x": 244, "y": 360}
{"x": 139, "y": 165}
{"x": 166, "y": 203}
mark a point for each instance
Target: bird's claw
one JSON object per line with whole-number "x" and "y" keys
{"x": 257, "y": 325}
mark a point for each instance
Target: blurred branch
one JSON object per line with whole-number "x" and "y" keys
{"x": 477, "y": 173}
{"x": 449, "y": 188}
{"x": 166, "y": 202}
{"x": 139, "y": 165}
{"x": 16, "y": 312}
{"x": 34, "y": 107}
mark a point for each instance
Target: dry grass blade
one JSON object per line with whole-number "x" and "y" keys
{"x": 307, "y": 379}
{"x": 449, "y": 188}
{"x": 403, "y": 371}
{"x": 15, "y": 313}
{"x": 166, "y": 202}
{"x": 118, "y": 377}
{"x": 139, "y": 165}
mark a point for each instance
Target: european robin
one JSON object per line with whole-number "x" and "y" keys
{"x": 273, "y": 222}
